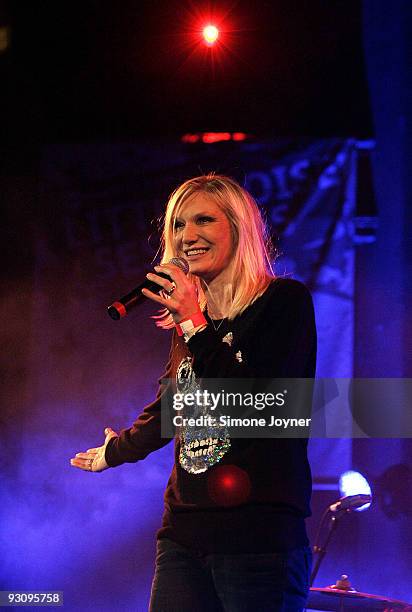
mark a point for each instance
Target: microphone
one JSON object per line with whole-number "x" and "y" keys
{"x": 350, "y": 502}
{"x": 124, "y": 305}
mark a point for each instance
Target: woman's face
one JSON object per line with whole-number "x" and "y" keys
{"x": 203, "y": 236}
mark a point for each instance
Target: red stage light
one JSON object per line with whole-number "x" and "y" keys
{"x": 190, "y": 138}
{"x": 210, "y": 137}
{"x": 229, "y": 485}
{"x": 239, "y": 136}
{"x": 210, "y": 34}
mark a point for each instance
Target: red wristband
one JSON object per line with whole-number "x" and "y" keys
{"x": 190, "y": 323}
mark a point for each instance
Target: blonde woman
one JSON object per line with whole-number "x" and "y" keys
{"x": 233, "y": 532}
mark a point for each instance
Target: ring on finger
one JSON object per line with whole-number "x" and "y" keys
{"x": 169, "y": 293}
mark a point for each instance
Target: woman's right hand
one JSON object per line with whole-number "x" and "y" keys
{"x": 93, "y": 459}
{"x": 182, "y": 301}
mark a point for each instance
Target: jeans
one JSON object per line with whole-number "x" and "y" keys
{"x": 188, "y": 581}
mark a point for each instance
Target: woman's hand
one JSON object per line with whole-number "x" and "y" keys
{"x": 93, "y": 459}
{"x": 182, "y": 300}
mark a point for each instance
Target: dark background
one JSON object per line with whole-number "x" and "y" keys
{"x": 138, "y": 68}
{"x": 103, "y": 72}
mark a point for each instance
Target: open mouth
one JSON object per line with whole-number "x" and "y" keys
{"x": 198, "y": 448}
{"x": 190, "y": 253}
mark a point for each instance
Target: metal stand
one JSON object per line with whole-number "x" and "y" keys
{"x": 320, "y": 551}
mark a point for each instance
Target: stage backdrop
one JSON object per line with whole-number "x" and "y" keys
{"x": 97, "y": 233}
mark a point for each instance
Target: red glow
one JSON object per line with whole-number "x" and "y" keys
{"x": 210, "y": 34}
{"x": 210, "y": 137}
{"x": 229, "y": 485}
{"x": 239, "y": 136}
{"x": 191, "y": 138}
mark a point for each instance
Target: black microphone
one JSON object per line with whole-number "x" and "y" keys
{"x": 350, "y": 502}
{"x": 124, "y": 305}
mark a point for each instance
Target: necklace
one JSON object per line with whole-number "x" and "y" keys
{"x": 228, "y": 288}
{"x": 216, "y": 328}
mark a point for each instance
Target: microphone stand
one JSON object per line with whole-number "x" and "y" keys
{"x": 338, "y": 509}
{"x": 320, "y": 551}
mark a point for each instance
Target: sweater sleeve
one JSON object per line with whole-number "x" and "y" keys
{"x": 144, "y": 436}
{"x": 284, "y": 336}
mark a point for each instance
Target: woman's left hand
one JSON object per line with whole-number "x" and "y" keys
{"x": 182, "y": 302}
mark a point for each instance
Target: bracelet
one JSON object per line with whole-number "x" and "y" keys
{"x": 190, "y": 323}
{"x": 188, "y": 335}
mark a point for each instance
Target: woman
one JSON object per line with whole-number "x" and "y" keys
{"x": 233, "y": 534}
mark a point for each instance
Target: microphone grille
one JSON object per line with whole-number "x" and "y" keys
{"x": 181, "y": 263}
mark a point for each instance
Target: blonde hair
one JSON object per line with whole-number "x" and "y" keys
{"x": 251, "y": 270}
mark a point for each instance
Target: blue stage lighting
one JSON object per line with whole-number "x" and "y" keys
{"x": 353, "y": 483}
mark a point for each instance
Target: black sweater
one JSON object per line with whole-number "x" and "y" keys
{"x": 274, "y": 338}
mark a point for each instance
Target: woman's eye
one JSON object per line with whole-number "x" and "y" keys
{"x": 178, "y": 225}
{"x": 205, "y": 219}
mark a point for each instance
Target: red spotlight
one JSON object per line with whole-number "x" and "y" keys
{"x": 229, "y": 485}
{"x": 239, "y": 136}
{"x": 210, "y": 34}
{"x": 210, "y": 137}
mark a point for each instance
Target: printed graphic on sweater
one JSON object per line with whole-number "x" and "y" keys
{"x": 203, "y": 446}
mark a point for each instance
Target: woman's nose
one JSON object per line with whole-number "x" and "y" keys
{"x": 190, "y": 233}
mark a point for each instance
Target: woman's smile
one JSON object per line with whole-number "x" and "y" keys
{"x": 195, "y": 253}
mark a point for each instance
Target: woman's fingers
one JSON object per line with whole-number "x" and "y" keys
{"x": 163, "y": 282}
{"x": 83, "y": 464}
{"x": 87, "y": 455}
{"x": 90, "y": 462}
{"x": 182, "y": 300}
{"x": 85, "y": 460}
{"x": 157, "y": 298}
{"x": 167, "y": 286}
{"x": 175, "y": 273}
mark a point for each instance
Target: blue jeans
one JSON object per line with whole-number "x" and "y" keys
{"x": 188, "y": 581}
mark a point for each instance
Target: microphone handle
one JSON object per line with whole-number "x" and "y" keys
{"x": 121, "y": 307}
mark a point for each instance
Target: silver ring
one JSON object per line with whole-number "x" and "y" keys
{"x": 169, "y": 293}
